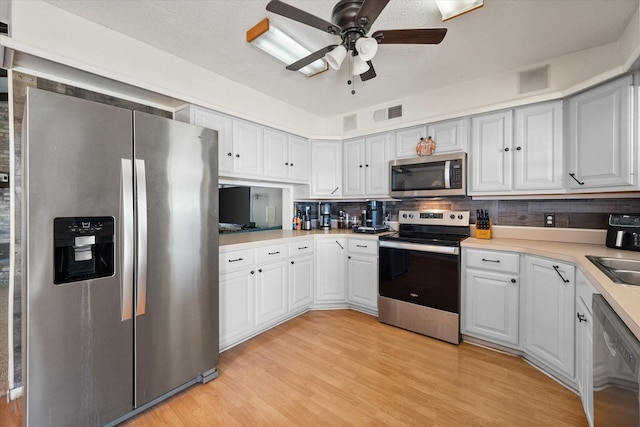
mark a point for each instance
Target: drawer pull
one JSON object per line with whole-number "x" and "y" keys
{"x": 413, "y": 295}
{"x": 304, "y": 247}
{"x": 581, "y": 317}
{"x": 490, "y": 260}
{"x": 556, "y": 267}
{"x": 362, "y": 246}
{"x": 236, "y": 260}
{"x": 274, "y": 253}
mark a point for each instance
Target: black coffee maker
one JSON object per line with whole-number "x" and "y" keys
{"x": 375, "y": 216}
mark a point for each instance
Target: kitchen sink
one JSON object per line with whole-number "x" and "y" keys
{"x": 619, "y": 270}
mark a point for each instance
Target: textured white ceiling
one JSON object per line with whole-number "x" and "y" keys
{"x": 502, "y": 35}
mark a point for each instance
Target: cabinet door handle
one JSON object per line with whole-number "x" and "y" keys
{"x": 556, "y": 268}
{"x": 573, "y": 175}
{"x": 581, "y": 317}
{"x": 229, "y": 154}
{"x": 274, "y": 253}
{"x": 413, "y": 295}
{"x": 237, "y": 155}
{"x": 291, "y": 164}
{"x": 360, "y": 165}
{"x": 490, "y": 260}
{"x": 236, "y": 260}
{"x": 341, "y": 247}
{"x": 518, "y": 148}
{"x": 253, "y": 272}
{"x": 259, "y": 270}
{"x": 334, "y": 190}
{"x": 366, "y": 166}
{"x": 506, "y": 148}
{"x": 286, "y": 163}
{"x": 513, "y": 280}
{"x": 349, "y": 257}
{"x": 292, "y": 262}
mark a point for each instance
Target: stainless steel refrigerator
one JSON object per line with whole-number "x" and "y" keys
{"x": 121, "y": 260}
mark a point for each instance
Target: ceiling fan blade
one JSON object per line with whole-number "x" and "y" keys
{"x": 369, "y": 12}
{"x": 310, "y": 58}
{"x": 296, "y": 14}
{"x": 417, "y": 36}
{"x": 369, "y": 74}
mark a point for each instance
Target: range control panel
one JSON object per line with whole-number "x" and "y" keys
{"x": 454, "y": 218}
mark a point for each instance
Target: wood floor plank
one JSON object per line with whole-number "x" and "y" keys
{"x": 344, "y": 368}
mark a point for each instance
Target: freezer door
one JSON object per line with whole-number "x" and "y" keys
{"x": 79, "y": 352}
{"x": 176, "y": 323}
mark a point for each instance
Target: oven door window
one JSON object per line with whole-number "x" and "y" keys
{"x": 424, "y": 278}
{"x": 424, "y": 176}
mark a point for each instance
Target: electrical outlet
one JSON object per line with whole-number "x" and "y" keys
{"x": 549, "y": 220}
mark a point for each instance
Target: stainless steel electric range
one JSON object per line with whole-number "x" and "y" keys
{"x": 419, "y": 273}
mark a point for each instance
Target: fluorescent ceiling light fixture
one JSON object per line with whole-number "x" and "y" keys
{"x": 278, "y": 44}
{"x": 452, "y": 8}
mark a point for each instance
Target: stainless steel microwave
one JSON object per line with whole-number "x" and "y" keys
{"x": 432, "y": 176}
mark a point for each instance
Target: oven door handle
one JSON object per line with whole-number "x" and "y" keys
{"x": 451, "y": 250}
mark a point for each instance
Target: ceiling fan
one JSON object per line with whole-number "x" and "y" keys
{"x": 352, "y": 20}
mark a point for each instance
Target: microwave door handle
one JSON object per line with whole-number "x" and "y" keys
{"x": 447, "y": 174}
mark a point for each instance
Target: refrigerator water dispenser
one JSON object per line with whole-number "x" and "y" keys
{"x": 83, "y": 248}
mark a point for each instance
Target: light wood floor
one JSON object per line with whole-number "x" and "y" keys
{"x": 344, "y": 368}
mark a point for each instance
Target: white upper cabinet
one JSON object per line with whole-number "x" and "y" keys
{"x": 285, "y": 156}
{"x": 246, "y": 149}
{"x": 489, "y": 158}
{"x": 450, "y": 135}
{"x": 326, "y": 169}
{"x": 521, "y": 156}
{"x": 407, "y": 140}
{"x": 601, "y": 149}
{"x": 248, "y": 144}
{"x": 537, "y": 156}
{"x": 366, "y": 167}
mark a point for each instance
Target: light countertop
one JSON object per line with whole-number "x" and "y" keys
{"x": 233, "y": 241}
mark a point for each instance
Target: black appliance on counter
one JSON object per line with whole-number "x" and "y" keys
{"x": 623, "y": 232}
{"x": 372, "y": 219}
{"x": 419, "y": 273}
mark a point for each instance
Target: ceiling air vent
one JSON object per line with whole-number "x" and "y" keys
{"x": 533, "y": 80}
{"x": 387, "y": 113}
{"x": 350, "y": 123}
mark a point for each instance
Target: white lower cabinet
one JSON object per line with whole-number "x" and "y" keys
{"x": 271, "y": 292}
{"x": 331, "y": 257}
{"x": 237, "y": 314}
{"x": 301, "y": 275}
{"x": 492, "y": 306}
{"x": 362, "y": 270}
{"x": 584, "y": 343}
{"x": 549, "y": 314}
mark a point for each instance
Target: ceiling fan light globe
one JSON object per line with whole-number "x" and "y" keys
{"x": 367, "y": 48}
{"x": 359, "y": 65}
{"x": 336, "y": 56}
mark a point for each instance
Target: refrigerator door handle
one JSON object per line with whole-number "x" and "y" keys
{"x": 126, "y": 203}
{"x": 141, "y": 277}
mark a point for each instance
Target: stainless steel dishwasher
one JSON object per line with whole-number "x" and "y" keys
{"x": 616, "y": 360}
